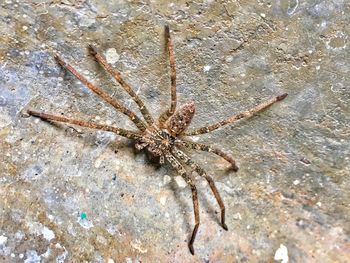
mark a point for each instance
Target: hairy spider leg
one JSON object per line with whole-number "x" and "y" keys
{"x": 184, "y": 157}
{"x": 208, "y": 148}
{"x": 132, "y": 116}
{"x": 181, "y": 171}
{"x": 232, "y": 119}
{"x": 93, "y": 125}
{"x": 169, "y": 112}
{"x": 117, "y": 76}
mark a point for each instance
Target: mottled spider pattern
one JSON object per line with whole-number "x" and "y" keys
{"x": 166, "y": 137}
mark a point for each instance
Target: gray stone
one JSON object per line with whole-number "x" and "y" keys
{"x": 71, "y": 194}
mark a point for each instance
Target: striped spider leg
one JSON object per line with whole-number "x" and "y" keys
{"x": 117, "y": 76}
{"x": 169, "y": 112}
{"x": 180, "y": 169}
{"x": 102, "y": 94}
{"x": 236, "y": 117}
{"x": 88, "y": 124}
{"x": 207, "y": 148}
{"x": 180, "y": 155}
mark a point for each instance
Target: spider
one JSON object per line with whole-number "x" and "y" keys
{"x": 166, "y": 137}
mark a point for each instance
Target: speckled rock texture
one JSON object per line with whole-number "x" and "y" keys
{"x": 70, "y": 194}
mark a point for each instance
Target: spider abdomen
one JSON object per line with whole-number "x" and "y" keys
{"x": 182, "y": 118}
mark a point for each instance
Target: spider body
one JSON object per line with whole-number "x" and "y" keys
{"x": 166, "y": 137}
{"x": 156, "y": 142}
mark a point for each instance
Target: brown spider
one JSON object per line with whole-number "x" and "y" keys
{"x": 163, "y": 139}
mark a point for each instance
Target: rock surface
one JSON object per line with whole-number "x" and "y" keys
{"x": 71, "y": 194}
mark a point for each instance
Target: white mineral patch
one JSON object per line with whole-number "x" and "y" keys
{"x": 138, "y": 246}
{"x": 102, "y": 240}
{"x": 4, "y": 120}
{"x": 86, "y": 21}
{"x": 180, "y": 182}
{"x": 111, "y": 55}
{"x": 71, "y": 230}
{"x": 47, "y": 253}
{"x": 229, "y": 59}
{"x": 4, "y": 251}
{"x": 162, "y": 200}
{"x": 195, "y": 138}
{"x": 47, "y": 233}
{"x": 110, "y": 260}
{"x": 206, "y": 68}
{"x": 85, "y": 223}
{"x": 98, "y": 163}
{"x": 32, "y": 257}
{"x": 296, "y": 182}
{"x": 3, "y": 240}
{"x": 237, "y": 216}
{"x": 61, "y": 258}
{"x": 282, "y": 254}
{"x": 291, "y": 9}
{"x": 39, "y": 229}
{"x": 166, "y": 179}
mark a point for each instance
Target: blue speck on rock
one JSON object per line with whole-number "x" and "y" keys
{"x": 82, "y": 216}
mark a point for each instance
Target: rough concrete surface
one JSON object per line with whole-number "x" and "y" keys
{"x": 71, "y": 194}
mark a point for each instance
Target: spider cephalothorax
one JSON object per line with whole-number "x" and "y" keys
{"x": 156, "y": 142}
{"x": 164, "y": 138}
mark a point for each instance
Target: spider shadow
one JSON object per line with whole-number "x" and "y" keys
{"x": 181, "y": 197}
{"x": 183, "y": 204}
{"x": 115, "y": 145}
{"x": 208, "y": 200}
{"x": 206, "y": 196}
{"x": 70, "y": 130}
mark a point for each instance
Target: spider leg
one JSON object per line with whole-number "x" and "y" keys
{"x": 117, "y": 76}
{"x": 93, "y": 125}
{"x": 169, "y": 112}
{"x": 181, "y": 170}
{"x": 236, "y": 117}
{"x": 184, "y": 157}
{"x": 132, "y": 116}
{"x": 208, "y": 148}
